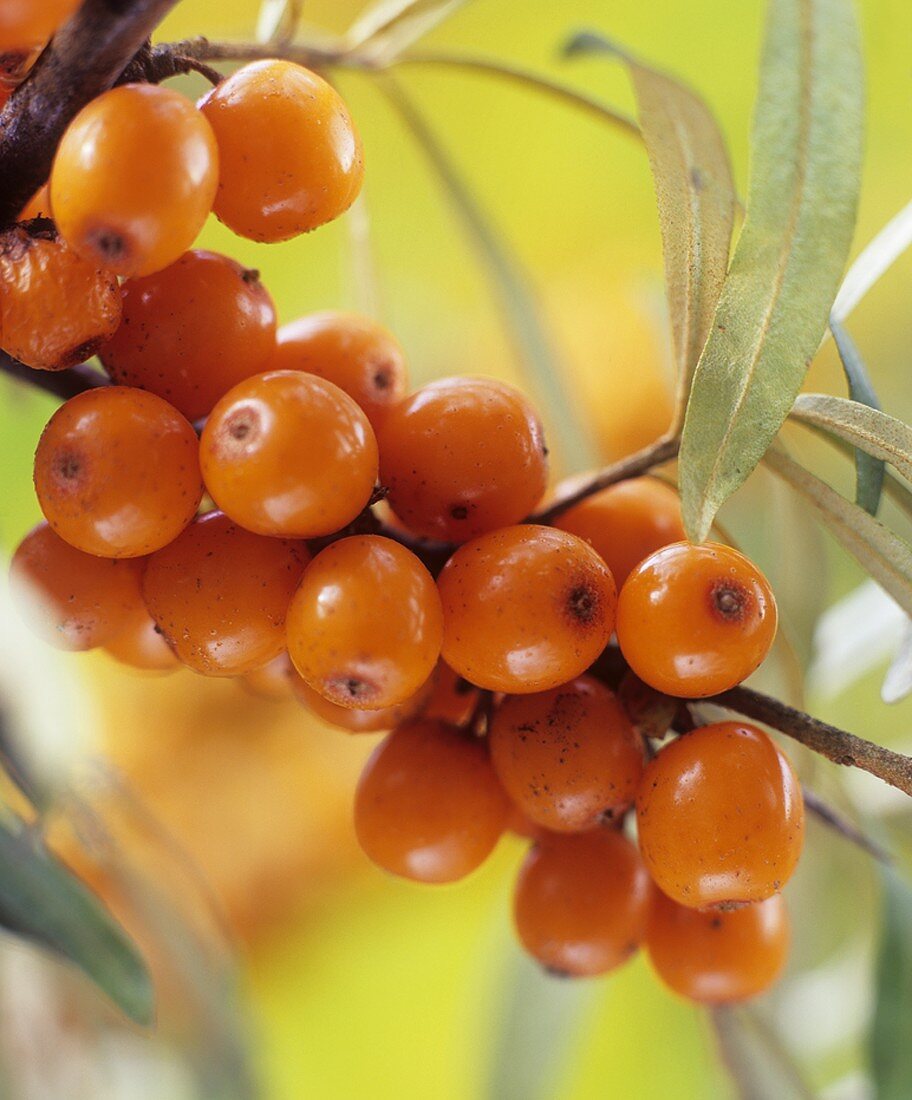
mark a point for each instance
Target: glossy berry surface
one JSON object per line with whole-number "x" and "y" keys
{"x": 56, "y": 309}
{"x": 134, "y": 178}
{"x": 355, "y": 720}
{"x": 568, "y": 758}
{"x": 220, "y": 594}
{"x": 525, "y": 608}
{"x": 695, "y": 620}
{"x": 718, "y": 958}
{"x": 192, "y": 331}
{"x": 353, "y": 352}
{"x": 626, "y": 522}
{"x": 289, "y": 454}
{"x": 272, "y": 680}
{"x": 72, "y": 600}
{"x": 582, "y": 902}
{"x": 140, "y": 644}
{"x": 452, "y": 699}
{"x": 290, "y": 156}
{"x": 117, "y": 472}
{"x": 428, "y": 805}
{"x": 25, "y": 23}
{"x": 720, "y": 816}
{"x": 365, "y": 626}
{"x": 462, "y": 456}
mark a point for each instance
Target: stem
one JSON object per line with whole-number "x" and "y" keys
{"x": 63, "y": 384}
{"x": 84, "y": 59}
{"x": 840, "y": 824}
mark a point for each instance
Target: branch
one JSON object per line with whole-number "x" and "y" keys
{"x": 840, "y": 824}
{"x": 63, "y": 384}
{"x": 84, "y": 59}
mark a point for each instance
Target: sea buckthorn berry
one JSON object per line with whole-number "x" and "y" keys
{"x": 272, "y": 680}
{"x": 26, "y": 23}
{"x": 70, "y": 599}
{"x": 291, "y": 158}
{"x": 360, "y": 721}
{"x": 117, "y": 472}
{"x": 695, "y": 620}
{"x": 717, "y": 958}
{"x": 365, "y": 626}
{"x": 220, "y": 594}
{"x": 525, "y": 609}
{"x": 356, "y": 354}
{"x": 56, "y": 309}
{"x": 141, "y": 644}
{"x": 522, "y": 826}
{"x": 192, "y": 331}
{"x": 462, "y": 456}
{"x": 626, "y": 522}
{"x": 582, "y": 902}
{"x": 568, "y": 758}
{"x": 428, "y": 805}
{"x": 289, "y": 454}
{"x": 452, "y": 698}
{"x": 38, "y": 206}
{"x": 134, "y": 178}
{"x": 720, "y": 816}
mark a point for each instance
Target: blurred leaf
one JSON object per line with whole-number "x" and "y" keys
{"x": 869, "y": 471}
{"x": 42, "y": 901}
{"x": 760, "y": 1068}
{"x": 517, "y": 299}
{"x": 806, "y": 156}
{"x": 278, "y": 20}
{"x": 696, "y": 199}
{"x": 898, "y": 681}
{"x": 889, "y": 1049}
{"x": 881, "y": 553}
{"x": 388, "y": 27}
{"x": 873, "y": 262}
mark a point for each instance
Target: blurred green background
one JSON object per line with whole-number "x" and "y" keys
{"x": 358, "y": 985}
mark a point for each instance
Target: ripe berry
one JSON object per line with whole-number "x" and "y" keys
{"x": 219, "y": 594}
{"x": 134, "y": 178}
{"x": 428, "y": 805}
{"x": 717, "y": 958}
{"x": 192, "y": 331}
{"x": 354, "y": 353}
{"x": 272, "y": 680}
{"x": 582, "y": 902}
{"x": 568, "y": 757}
{"x": 360, "y": 721}
{"x": 695, "y": 620}
{"x": 720, "y": 816}
{"x": 70, "y": 599}
{"x": 525, "y": 609}
{"x": 117, "y": 472}
{"x": 453, "y": 699}
{"x": 289, "y": 454}
{"x": 627, "y": 522}
{"x": 462, "y": 456}
{"x": 25, "y": 23}
{"x": 56, "y": 309}
{"x": 38, "y": 206}
{"x": 290, "y": 156}
{"x": 365, "y": 626}
{"x": 141, "y": 644}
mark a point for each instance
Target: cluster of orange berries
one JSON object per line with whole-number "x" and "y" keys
{"x": 497, "y": 675}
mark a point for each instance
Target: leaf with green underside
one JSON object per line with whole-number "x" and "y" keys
{"x": 41, "y": 900}
{"x": 388, "y": 27}
{"x": 885, "y": 556}
{"x": 869, "y": 471}
{"x": 775, "y": 303}
{"x": 889, "y": 1049}
{"x": 696, "y": 199}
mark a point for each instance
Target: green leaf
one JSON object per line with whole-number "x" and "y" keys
{"x": 882, "y": 554}
{"x": 388, "y": 27}
{"x": 43, "y": 901}
{"x": 775, "y": 303}
{"x": 754, "y": 1056}
{"x": 889, "y": 1049}
{"x": 869, "y": 471}
{"x": 696, "y": 199}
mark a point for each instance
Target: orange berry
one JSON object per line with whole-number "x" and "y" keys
{"x": 462, "y": 456}
{"x": 582, "y": 902}
{"x": 627, "y": 522}
{"x": 291, "y": 158}
{"x": 272, "y": 680}
{"x": 25, "y": 23}
{"x": 568, "y": 758}
{"x": 134, "y": 178}
{"x": 117, "y": 472}
{"x": 365, "y": 626}
{"x": 428, "y": 805}
{"x": 354, "y": 353}
{"x": 720, "y": 816}
{"x": 192, "y": 331}
{"x": 38, "y": 206}
{"x": 141, "y": 644}
{"x": 70, "y": 599}
{"x": 695, "y": 620}
{"x": 522, "y": 826}
{"x": 453, "y": 699}
{"x": 289, "y": 454}
{"x": 56, "y": 309}
{"x": 220, "y": 594}
{"x": 360, "y": 721}
{"x": 717, "y": 958}
{"x": 525, "y": 609}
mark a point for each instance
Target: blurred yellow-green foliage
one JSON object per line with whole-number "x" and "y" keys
{"x": 357, "y": 985}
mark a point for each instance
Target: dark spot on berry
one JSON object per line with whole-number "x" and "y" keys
{"x": 109, "y": 244}
{"x": 583, "y": 604}
{"x": 459, "y": 511}
{"x": 382, "y": 378}
{"x": 69, "y": 466}
{"x": 250, "y": 276}
{"x": 349, "y": 690}
{"x": 79, "y": 354}
{"x": 730, "y": 601}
